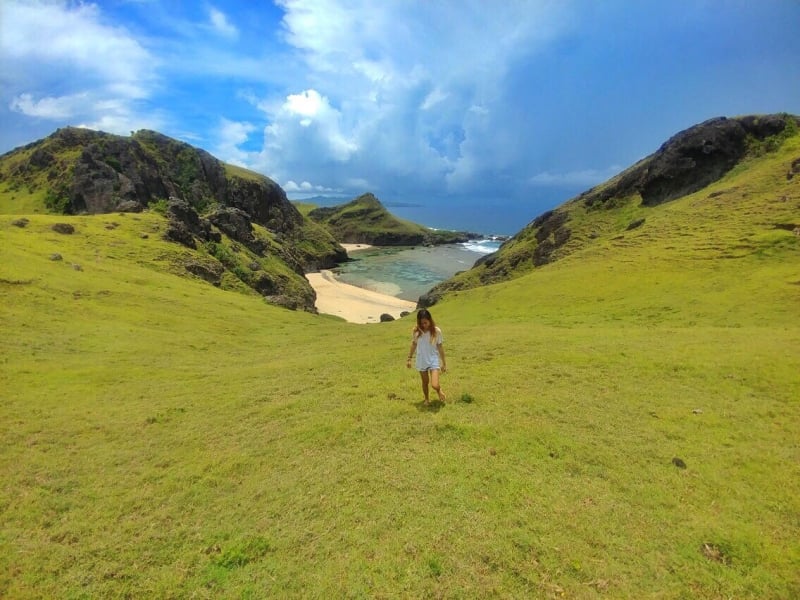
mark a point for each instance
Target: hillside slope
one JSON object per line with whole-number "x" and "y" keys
{"x": 239, "y": 222}
{"x": 622, "y": 422}
{"x": 626, "y": 206}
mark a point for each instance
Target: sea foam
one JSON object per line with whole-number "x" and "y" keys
{"x": 484, "y": 246}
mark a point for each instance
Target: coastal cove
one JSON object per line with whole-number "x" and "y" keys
{"x": 389, "y": 280}
{"x": 409, "y": 272}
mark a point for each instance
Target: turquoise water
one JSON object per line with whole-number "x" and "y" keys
{"x": 409, "y": 272}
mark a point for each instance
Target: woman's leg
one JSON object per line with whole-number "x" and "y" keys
{"x": 435, "y": 384}
{"x": 424, "y": 376}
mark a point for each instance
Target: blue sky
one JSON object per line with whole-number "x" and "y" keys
{"x": 459, "y": 107}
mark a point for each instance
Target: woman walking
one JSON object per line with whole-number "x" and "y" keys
{"x": 427, "y": 341}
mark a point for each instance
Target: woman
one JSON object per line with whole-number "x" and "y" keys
{"x": 427, "y": 340}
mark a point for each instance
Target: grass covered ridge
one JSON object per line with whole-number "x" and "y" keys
{"x": 166, "y": 438}
{"x": 365, "y": 220}
{"x": 745, "y": 211}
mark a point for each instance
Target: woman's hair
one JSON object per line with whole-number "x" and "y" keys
{"x": 424, "y": 313}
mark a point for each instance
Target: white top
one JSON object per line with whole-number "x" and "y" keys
{"x": 427, "y": 353}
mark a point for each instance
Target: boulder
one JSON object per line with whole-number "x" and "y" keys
{"x": 129, "y": 206}
{"x": 635, "y": 224}
{"x": 210, "y": 272}
{"x": 794, "y": 169}
{"x": 429, "y": 298}
{"x": 64, "y": 228}
{"x": 177, "y": 231}
{"x": 264, "y": 284}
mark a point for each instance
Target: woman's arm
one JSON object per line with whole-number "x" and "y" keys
{"x": 411, "y": 353}
{"x": 442, "y": 359}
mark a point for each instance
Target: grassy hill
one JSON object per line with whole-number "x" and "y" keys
{"x": 364, "y": 220}
{"x": 623, "y": 421}
{"x": 630, "y": 208}
{"x": 242, "y": 225}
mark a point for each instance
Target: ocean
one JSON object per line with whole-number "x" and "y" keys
{"x": 409, "y": 272}
{"x": 488, "y": 217}
{"x": 492, "y": 219}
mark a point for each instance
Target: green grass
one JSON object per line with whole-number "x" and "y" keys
{"x": 166, "y": 438}
{"x": 304, "y": 207}
{"x": 364, "y": 218}
{"x": 734, "y": 217}
{"x": 242, "y": 173}
{"x": 21, "y": 199}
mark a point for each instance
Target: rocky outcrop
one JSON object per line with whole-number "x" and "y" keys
{"x": 185, "y": 225}
{"x": 264, "y": 201}
{"x": 112, "y": 173}
{"x": 235, "y": 223}
{"x": 692, "y": 159}
{"x": 208, "y": 271}
{"x": 551, "y": 233}
{"x": 288, "y": 289}
{"x": 109, "y": 171}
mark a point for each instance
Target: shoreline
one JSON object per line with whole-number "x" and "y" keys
{"x": 354, "y": 247}
{"x": 361, "y": 305}
{"x": 354, "y": 304}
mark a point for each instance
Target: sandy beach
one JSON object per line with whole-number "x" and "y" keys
{"x": 354, "y": 304}
{"x": 352, "y": 247}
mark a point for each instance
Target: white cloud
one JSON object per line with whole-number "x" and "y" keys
{"x": 101, "y": 70}
{"x": 432, "y": 99}
{"x": 87, "y": 110}
{"x": 235, "y": 133}
{"x": 123, "y": 122}
{"x": 417, "y": 90}
{"x": 61, "y": 108}
{"x": 116, "y": 115}
{"x": 304, "y": 126}
{"x": 374, "y": 95}
{"x": 221, "y": 25}
{"x": 306, "y": 188}
{"x": 72, "y": 37}
{"x": 306, "y": 104}
{"x": 230, "y": 136}
{"x": 479, "y": 110}
{"x": 292, "y": 186}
